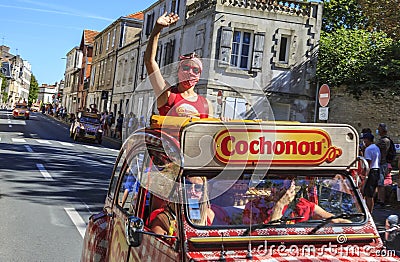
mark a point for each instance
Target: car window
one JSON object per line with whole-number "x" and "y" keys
{"x": 247, "y": 200}
{"x": 129, "y": 188}
{"x": 121, "y": 161}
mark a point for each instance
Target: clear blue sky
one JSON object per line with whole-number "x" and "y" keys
{"x": 44, "y": 31}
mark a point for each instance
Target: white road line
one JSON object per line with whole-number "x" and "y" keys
{"x": 44, "y": 172}
{"x": 18, "y": 140}
{"x": 29, "y": 149}
{"x": 43, "y": 141}
{"x": 91, "y": 147}
{"x": 77, "y": 220}
{"x": 66, "y": 144}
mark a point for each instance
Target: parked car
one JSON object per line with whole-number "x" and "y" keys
{"x": 21, "y": 111}
{"x": 86, "y": 126}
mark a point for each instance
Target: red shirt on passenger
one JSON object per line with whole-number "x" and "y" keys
{"x": 179, "y": 106}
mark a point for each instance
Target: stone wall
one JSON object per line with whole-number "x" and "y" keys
{"x": 368, "y": 111}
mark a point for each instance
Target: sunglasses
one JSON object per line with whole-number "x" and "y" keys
{"x": 197, "y": 187}
{"x": 194, "y": 69}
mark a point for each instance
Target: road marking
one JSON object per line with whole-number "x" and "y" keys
{"x": 66, "y": 144}
{"x": 44, "y": 172}
{"x": 91, "y": 147}
{"x": 9, "y": 126}
{"x": 29, "y": 149}
{"x": 43, "y": 141}
{"x": 77, "y": 220}
{"x": 18, "y": 140}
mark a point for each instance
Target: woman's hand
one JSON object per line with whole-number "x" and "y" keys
{"x": 288, "y": 196}
{"x": 167, "y": 19}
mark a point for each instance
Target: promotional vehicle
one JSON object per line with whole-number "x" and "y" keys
{"x": 21, "y": 111}
{"x": 86, "y": 126}
{"x": 35, "y": 107}
{"x": 206, "y": 190}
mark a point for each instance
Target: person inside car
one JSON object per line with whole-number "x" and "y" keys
{"x": 279, "y": 206}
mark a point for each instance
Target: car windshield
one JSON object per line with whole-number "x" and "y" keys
{"x": 21, "y": 106}
{"x": 90, "y": 120}
{"x": 252, "y": 199}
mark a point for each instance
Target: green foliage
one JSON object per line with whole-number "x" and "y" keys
{"x": 33, "y": 90}
{"x": 3, "y": 88}
{"x": 383, "y": 15}
{"x": 339, "y": 14}
{"x": 359, "y": 45}
{"x": 359, "y": 59}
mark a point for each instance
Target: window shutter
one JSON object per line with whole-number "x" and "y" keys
{"x": 225, "y": 45}
{"x": 258, "y": 51}
{"x": 172, "y": 51}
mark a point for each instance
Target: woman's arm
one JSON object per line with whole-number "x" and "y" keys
{"x": 153, "y": 70}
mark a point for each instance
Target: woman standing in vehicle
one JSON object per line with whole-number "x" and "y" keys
{"x": 180, "y": 100}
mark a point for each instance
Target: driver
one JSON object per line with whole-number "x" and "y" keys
{"x": 274, "y": 208}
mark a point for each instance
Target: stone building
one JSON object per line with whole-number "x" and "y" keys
{"x": 86, "y": 48}
{"x": 250, "y": 49}
{"x": 70, "y": 98}
{"x": 18, "y": 72}
{"x": 106, "y": 44}
{"x": 126, "y": 71}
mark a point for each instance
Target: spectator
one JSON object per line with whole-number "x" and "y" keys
{"x": 133, "y": 123}
{"x": 384, "y": 144}
{"x": 373, "y": 156}
{"x": 118, "y": 127}
{"x": 110, "y": 120}
{"x": 392, "y": 234}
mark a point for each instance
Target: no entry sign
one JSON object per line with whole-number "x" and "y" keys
{"x": 324, "y": 95}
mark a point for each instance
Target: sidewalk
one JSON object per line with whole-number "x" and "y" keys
{"x": 113, "y": 140}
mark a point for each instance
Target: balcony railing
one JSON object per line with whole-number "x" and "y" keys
{"x": 291, "y": 7}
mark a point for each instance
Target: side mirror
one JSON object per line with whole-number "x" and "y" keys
{"x": 134, "y": 231}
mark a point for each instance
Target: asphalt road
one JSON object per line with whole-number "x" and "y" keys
{"x": 49, "y": 186}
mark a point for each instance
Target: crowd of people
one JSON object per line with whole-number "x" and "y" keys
{"x": 380, "y": 156}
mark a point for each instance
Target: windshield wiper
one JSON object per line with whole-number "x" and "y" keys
{"x": 329, "y": 219}
{"x": 264, "y": 225}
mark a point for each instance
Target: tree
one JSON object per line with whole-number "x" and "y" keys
{"x": 359, "y": 59}
{"x": 339, "y": 14}
{"x": 354, "y": 53}
{"x": 4, "y": 83}
{"x": 383, "y": 15}
{"x": 33, "y": 90}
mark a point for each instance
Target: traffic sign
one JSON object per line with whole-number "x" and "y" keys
{"x": 323, "y": 113}
{"x": 324, "y": 95}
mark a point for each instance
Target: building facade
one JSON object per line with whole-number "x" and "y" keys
{"x": 18, "y": 73}
{"x": 86, "y": 48}
{"x": 106, "y": 45}
{"x": 70, "y": 98}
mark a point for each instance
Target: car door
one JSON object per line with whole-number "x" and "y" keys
{"x": 124, "y": 203}
{"x": 158, "y": 190}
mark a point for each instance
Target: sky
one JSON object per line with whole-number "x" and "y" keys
{"x": 44, "y": 31}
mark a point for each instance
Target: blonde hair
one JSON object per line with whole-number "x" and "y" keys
{"x": 204, "y": 205}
